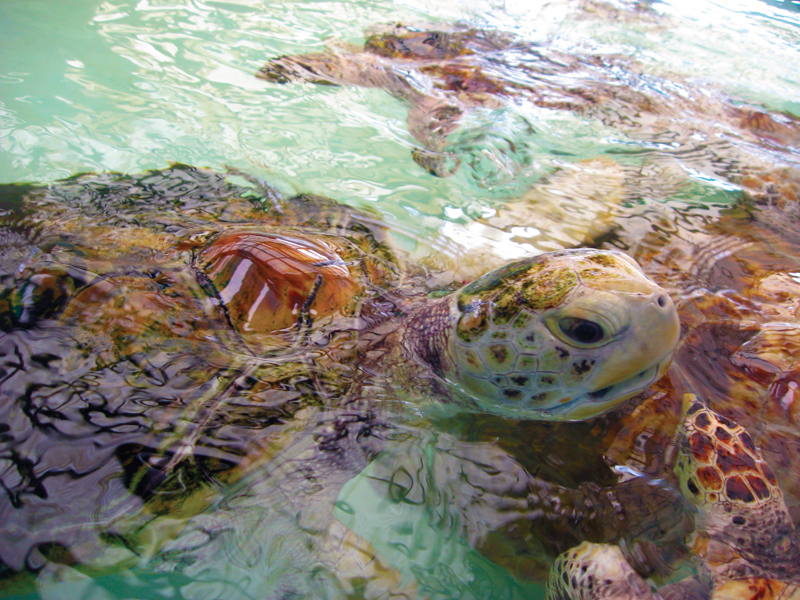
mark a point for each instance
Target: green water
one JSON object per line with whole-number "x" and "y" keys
{"x": 128, "y": 86}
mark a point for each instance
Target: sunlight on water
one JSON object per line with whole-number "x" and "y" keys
{"x": 152, "y": 445}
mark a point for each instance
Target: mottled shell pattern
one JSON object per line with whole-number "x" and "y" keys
{"x": 742, "y": 508}
{"x": 562, "y": 336}
{"x": 744, "y": 533}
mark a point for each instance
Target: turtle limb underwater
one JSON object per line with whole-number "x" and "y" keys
{"x": 745, "y": 541}
{"x": 446, "y": 72}
{"x": 561, "y": 336}
{"x": 543, "y": 335}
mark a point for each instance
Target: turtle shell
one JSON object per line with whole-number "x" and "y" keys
{"x": 267, "y": 262}
{"x": 467, "y": 68}
{"x": 268, "y": 282}
{"x": 336, "y": 254}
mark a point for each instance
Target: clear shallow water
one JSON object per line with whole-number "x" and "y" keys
{"x": 134, "y": 86}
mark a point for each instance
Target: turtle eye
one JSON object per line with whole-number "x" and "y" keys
{"x": 581, "y": 330}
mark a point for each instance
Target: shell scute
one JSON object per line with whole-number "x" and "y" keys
{"x": 759, "y": 487}
{"x": 265, "y": 281}
{"x": 724, "y": 436}
{"x": 747, "y": 442}
{"x": 734, "y": 461}
{"x": 702, "y": 447}
{"x": 694, "y": 408}
{"x": 737, "y": 490}
{"x": 702, "y": 422}
{"x": 709, "y": 478}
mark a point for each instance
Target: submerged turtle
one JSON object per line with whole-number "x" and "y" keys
{"x": 735, "y": 280}
{"x": 561, "y": 336}
{"x": 443, "y": 73}
{"x": 174, "y": 314}
{"x": 735, "y": 277}
{"x": 276, "y": 422}
{"x": 745, "y": 538}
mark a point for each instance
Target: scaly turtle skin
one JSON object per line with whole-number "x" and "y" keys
{"x": 200, "y": 312}
{"x": 560, "y": 336}
{"x": 528, "y": 338}
{"x": 745, "y": 537}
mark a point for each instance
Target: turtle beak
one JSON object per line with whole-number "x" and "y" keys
{"x": 648, "y": 345}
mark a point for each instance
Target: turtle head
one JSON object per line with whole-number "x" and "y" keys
{"x": 561, "y": 336}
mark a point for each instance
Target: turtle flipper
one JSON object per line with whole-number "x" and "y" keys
{"x": 312, "y": 68}
{"x": 441, "y": 164}
{"x": 337, "y": 68}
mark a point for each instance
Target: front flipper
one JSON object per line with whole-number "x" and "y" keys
{"x": 432, "y": 115}
{"x": 441, "y": 164}
{"x": 337, "y": 68}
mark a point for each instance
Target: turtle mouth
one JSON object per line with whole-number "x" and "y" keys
{"x": 592, "y": 404}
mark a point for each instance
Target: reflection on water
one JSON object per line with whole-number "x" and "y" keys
{"x": 150, "y": 443}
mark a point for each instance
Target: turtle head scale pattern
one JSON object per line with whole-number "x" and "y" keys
{"x": 561, "y": 336}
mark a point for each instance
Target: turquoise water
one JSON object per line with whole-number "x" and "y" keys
{"x": 129, "y": 86}
{"x": 90, "y": 86}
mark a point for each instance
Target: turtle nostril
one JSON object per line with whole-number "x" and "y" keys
{"x": 663, "y": 301}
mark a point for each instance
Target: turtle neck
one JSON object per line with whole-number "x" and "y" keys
{"x": 427, "y": 335}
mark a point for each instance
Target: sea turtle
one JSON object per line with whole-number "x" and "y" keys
{"x": 447, "y": 71}
{"x": 734, "y": 274}
{"x": 681, "y": 136}
{"x": 735, "y": 280}
{"x": 581, "y": 359}
{"x": 175, "y": 314}
{"x": 745, "y": 537}
{"x": 517, "y": 489}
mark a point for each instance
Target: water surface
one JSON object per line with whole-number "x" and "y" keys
{"x": 128, "y": 87}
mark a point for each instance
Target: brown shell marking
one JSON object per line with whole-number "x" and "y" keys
{"x": 137, "y": 312}
{"x": 719, "y": 457}
{"x": 267, "y": 282}
{"x": 743, "y": 514}
{"x": 592, "y": 571}
{"x": 754, "y": 588}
